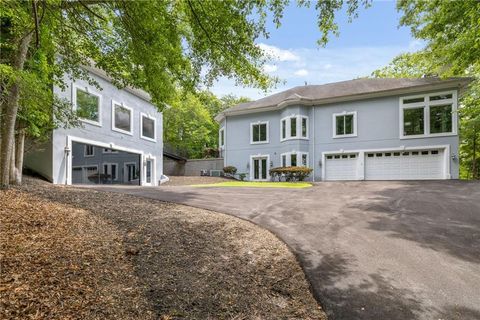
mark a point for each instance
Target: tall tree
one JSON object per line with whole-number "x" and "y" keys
{"x": 159, "y": 46}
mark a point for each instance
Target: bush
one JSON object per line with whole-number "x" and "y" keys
{"x": 242, "y": 176}
{"x": 230, "y": 170}
{"x": 290, "y": 173}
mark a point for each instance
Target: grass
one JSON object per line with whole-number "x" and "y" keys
{"x": 255, "y": 184}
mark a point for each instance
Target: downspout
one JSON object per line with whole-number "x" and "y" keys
{"x": 225, "y": 143}
{"x": 313, "y": 142}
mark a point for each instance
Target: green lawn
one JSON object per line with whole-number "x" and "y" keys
{"x": 250, "y": 184}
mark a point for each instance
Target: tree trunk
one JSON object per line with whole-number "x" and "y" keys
{"x": 10, "y": 110}
{"x": 11, "y": 167}
{"x": 19, "y": 152}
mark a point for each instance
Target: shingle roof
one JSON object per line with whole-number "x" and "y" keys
{"x": 344, "y": 90}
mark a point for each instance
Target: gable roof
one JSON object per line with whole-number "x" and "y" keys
{"x": 357, "y": 89}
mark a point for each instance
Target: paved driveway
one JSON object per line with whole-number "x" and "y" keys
{"x": 371, "y": 250}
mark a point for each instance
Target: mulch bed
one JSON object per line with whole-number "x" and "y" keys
{"x": 191, "y": 180}
{"x": 72, "y": 253}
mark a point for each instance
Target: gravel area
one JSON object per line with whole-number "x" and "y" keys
{"x": 190, "y": 180}
{"x": 176, "y": 262}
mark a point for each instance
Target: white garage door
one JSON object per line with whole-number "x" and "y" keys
{"x": 341, "y": 167}
{"x": 404, "y": 165}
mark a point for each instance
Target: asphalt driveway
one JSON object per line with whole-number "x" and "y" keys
{"x": 371, "y": 250}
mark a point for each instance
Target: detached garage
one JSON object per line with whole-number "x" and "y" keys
{"x": 417, "y": 164}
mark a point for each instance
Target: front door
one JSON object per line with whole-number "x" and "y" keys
{"x": 260, "y": 171}
{"x": 149, "y": 172}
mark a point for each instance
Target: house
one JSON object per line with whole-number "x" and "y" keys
{"x": 364, "y": 129}
{"x": 119, "y": 141}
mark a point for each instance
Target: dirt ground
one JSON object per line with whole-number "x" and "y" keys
{"x": 72, "y": 253}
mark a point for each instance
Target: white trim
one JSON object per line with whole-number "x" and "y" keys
{"x": 85, "y": 155}
{"x": 153, "y": 182}
{"x": 90, "y": 91}
{"x": 259, "y": 156}
{"x": 288, "y": 128}
{"x": 426, "y": 113}
{"x": 361, "y": 152}
{"x": 144, "y": 115}
{"x": 267, "y": 133}
{"x": 288, "y": 162}
{"x": 71, "y": 139}
{"x": 110, "y": 164}
{"x": 114, "y": 103}
{"x": 334, "y": 124}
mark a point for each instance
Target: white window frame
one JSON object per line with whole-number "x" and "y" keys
{"x": 426, "y": 113}
{"x": 121, "y": 104}
{"x": 267, "y": 133}
{"x": 85, "y": 155}
{"x": 153, "y": 159}
{"x": 144, "y": 115}
{"x": 288, "y": 129}
{"x": 110, "y": 165}
{"x": 288, "y": 160}
{"x": 334, "y": 124}
{"x": 91, "y": 91}
{"x": 220, "y": 133}
{"x": 251, "y": 173}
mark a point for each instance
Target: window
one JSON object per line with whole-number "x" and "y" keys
{"x": 294, "y": 127}
{"x": 89, "y": 150}
{"x": 106, "y": 150}
{"x": 428, "y": 115}
{"x": 293, "y": 159}
{"x": 147, "y": 126}
{"x": 122, "y": 118}
{"x": 344, "y": 124}
{"x": 132, "y": 172}
{"x": 221, "y": 137}
{"x": 87, "y": 106}
{"x": 441, "y": 118}
{"x": 110, "y": 170}
{"x": 259, "y": 132}
{"x": 413, "y": 121}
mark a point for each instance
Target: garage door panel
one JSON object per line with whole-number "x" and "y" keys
{"x": 407, "y": 165}
{"x": 341, "y": 167}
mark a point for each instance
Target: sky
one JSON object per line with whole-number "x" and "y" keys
{"x": 367, "y": 43}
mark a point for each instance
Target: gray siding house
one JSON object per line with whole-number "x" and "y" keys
{"x": 364, "y": 129}
{"x": 120, "y": 140}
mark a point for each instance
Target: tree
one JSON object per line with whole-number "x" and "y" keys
{"x": 189, "y": 123}
{"x": 450, "y": 30}
{"x": 159, "y": 46}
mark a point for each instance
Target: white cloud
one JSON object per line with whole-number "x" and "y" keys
{"x": 269, "y": 68}
{"x": 416, "y": 45}
{"x": 327, "y": 66}
{"x": 278, "y": 54}
{"x": 301, "y": 73}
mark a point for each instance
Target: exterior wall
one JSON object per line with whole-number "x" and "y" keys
{"x": 173, "y": 168}
{"x": 378, "y": 123}
{"x": 103, "y": 135}
{"x": 195, "y": 166}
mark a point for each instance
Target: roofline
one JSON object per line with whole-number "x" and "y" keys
{"x": 136, "y": 92}
{"x": 446, "y": 84}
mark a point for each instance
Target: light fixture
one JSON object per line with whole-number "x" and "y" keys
{"x": 454, "y": 157}
{"x": 66, "y": 150}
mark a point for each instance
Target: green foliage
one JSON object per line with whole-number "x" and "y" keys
{"x": 189, "y": 125}
{"x": 290, "y": 173}
{"x": 242, "y": 176}
{"x": 231, "y": 170}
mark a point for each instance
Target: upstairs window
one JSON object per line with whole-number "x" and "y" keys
{"x": 294, "y": 127}
{"x": 344, "y": 124}
{"x": 148, "y": 127}
{"x": 122, "y": 118}
{"x": 259, "y": 132}
{"x": 428, "y": 115}
{"x": 87, "y": 106}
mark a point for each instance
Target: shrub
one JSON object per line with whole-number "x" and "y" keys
{"x": 290, "y": 173}
{"x": 242, "y": 176}
{"x": 230, "y": 170}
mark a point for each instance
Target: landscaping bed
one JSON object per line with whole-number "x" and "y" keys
{"x": 77, "y": 253}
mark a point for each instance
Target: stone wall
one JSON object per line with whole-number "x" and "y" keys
{"x": 195, "y": 166}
